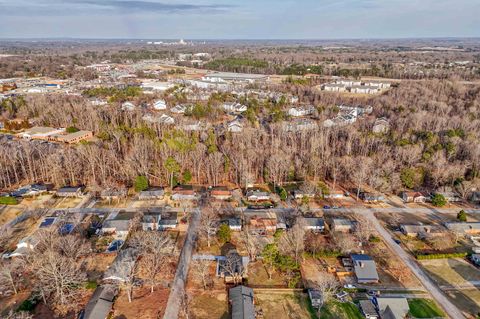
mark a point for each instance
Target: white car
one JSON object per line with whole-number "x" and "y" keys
{"x": 349, "y": 286}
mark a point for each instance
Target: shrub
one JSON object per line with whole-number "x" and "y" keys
{"x": 71, "y": 129}
{"x": 440, "y": 256}
{"x": 27, "y": 305}
{"x": 224, "y": 233}
{"x": 141, "y": 183}
{"x": 439, "y": 200}
{"x": 91, "y": 285}
{"x": 8, "y": 201}
{"x": 462, "y": 216}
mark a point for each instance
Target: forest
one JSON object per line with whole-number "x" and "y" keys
{"x": 433, "y": 142}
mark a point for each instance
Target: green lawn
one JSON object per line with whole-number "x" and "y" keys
{"x": 340, "y": 310}
{"x": 424, "y": 308}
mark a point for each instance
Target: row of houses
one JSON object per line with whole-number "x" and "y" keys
{"x": 356, "y": 86}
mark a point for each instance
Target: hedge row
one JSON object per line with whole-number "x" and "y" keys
{"x": 440, "y": 256}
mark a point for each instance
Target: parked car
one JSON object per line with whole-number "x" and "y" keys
{"x": 349, "y": 286}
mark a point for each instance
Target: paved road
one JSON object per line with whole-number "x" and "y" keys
{"x": 450, "y": 309}
{"x": 178, "y": 286}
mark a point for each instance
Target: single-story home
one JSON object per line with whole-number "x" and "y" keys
{"x": 314, "y": 223}
{"x": 150, "y": 221}
{"x": 151, "y": 193}
{"x": 68, "y": 191}
{"x": 241, "y": 302}
{"x": 371, "y": 197}
{"x": 342, "y": 225}
{"x": 414, "y": 197}
{"x": 121, "y": 266}
{"x": 30, "y": 190}
{"x": 258, "y": 196}
{"x": 316, "y": 298}
{"x": 118, "y": 223}
{"x": 220, "y": 192}
{"x": 368, "y": 309}
{"x": 184, "y": 193}
{"x": 232, "y": 265}
{"x": 299, "y": 194}
{"x": 365, "y": 269}
{"x": 422, "y": 231}
{"x": 469, "y": 228}
{"x": 168, "y": 221}
{"x": 234, "y": 223}
{"x": 100, "y": 304}
{"x": 392, "y": 307}
{"x": 450, "y": 196}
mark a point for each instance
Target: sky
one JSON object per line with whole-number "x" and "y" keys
{"x": 239, "y": 19}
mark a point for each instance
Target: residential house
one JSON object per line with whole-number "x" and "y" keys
{"x": 335, "y": 194}
{"x": 258, "y": 196}
{"x": 232, "y": 267}
{"x": 368, "y": 309}
{"x": 301, "y": 111}
{"x": 378, "y": 84}
{"x": 422, "y": 231}
{"x": 316, "y": 298}
{"x": 160, "y": 105}
{"x": 450, "y": 196}
{"x": 118, "y": 224}
{"x": 299, "y": 194}
{"x": 381, "y": 125}
{"x": 168, "y": 221}
{"x": 300, "y": 125}
{"x": 364, "y": 89}
{"x": 220, "y": 193}
{"x": 184, "y": 193}
{"x": 235, "y": 126}
{"x": 241, "y": 302}
{"x": 70, "y": 191}
{"x": 475, "y": 259}
{"x": 128, "y": 106}
{"x": 314, "y": 223}
{"x": 150, "y": 221}
{"x": 100, "y": 304}
{"x": 342, "y": 225}
{"x": 348, "y": 82}
{"x": 234, "y": 107}
{"x": 466, "y": 228}
{"x": 179, "y": 109}
{"x": 122, "y": 266}
{"x": 110, "y": 194}
{"x": 48, "y": 221}
{"x": 392, "y": 307}
{"x": 234, "y": 223}
{"x": 365, "y": 269}
{"x": 30, "y": 190}
{"x": 414, "y": 197}
{"x": 333, "y": 87}
{"x": 371, "y": 197}
{"x": 24, "y": 247}
{"x": 151, "y": 193}
{"x": 262, "y": 222}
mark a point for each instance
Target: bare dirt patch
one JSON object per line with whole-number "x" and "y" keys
{"x": 144, "y": 305}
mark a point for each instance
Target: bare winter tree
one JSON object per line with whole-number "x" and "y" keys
{"x": 57, "y": 276}
{"x": 364, "y": 229}
{"x": 327, "y": 285}
{"x": 10, "y": 271}
{"x": 344, "y": 242}
{"x": 208, "y": 223}
{"x": 250, "y": 243}
{"x": 18, "y": 315}
{"x": 127, "y": 272}
{"x": 292, "y": 241}
{"x": 201, "y": 271}
{"x": 156, "y": 249}
{"x": 233, "y": 267}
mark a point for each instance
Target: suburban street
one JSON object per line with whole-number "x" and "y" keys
{"x": 451, "y": 310}
{"x": 178, "y": 285}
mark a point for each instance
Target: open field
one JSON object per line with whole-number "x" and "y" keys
{"x": 209, "y": 305}
{"x": 340, "y": 310}
{"x": 68, "y": 202}
{"x": 7, "y": 213}
{"x": 424, "y": 308}
{"x": 455, "y": 273}
{"x": 284, "y": 305}
{"x": 144, "y": 305}
{"x": 257, "y": 275}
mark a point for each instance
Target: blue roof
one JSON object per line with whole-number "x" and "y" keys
{"x": 47, "y": 222}
{"x": 66, "y": 229}
{"x": 361, "y": 257}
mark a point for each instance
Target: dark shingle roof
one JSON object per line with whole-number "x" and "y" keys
{"x": 241, "y": 298}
